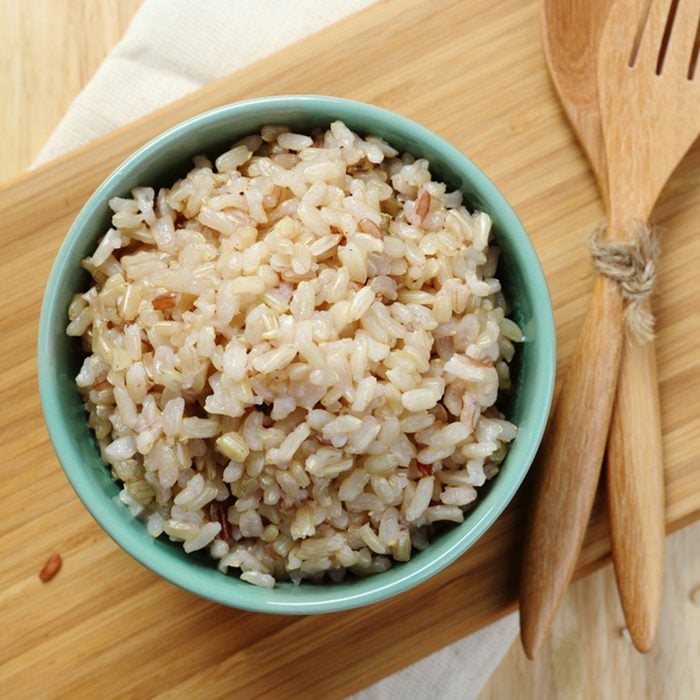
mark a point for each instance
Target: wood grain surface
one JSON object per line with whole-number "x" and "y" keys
{"x": 106, "y": 627}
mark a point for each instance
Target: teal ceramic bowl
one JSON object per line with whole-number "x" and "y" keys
{"x": 163, "y": 160}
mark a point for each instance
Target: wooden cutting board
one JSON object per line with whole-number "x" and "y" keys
{"x": 107, "y": 627}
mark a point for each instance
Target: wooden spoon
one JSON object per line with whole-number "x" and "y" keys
{"x": 648, "y": 110}
{"x": 572, "y": 30}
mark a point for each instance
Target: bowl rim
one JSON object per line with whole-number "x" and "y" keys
{"x": 264, "y": 600}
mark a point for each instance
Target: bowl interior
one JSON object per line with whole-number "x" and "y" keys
{"x": 161, "y": 162}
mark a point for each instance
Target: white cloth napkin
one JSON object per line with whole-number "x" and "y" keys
{"x": 173, "y": 47}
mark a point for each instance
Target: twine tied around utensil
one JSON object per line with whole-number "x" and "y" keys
{"x": 633, "y": 265}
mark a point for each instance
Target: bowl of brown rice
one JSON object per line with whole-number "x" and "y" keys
{"x": 296, "y": 354}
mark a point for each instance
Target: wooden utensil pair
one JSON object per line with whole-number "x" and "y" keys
{"x": 626, "y": 74}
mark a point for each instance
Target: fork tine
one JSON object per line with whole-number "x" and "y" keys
{"x": 653, "y": 35}
{"x": 628, "y": 18}
{"x": 682, "y": 39}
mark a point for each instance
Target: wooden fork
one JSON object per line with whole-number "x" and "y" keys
{"x": 649, "y": 98}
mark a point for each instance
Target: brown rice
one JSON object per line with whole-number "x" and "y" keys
{"x": 294, "y": 354}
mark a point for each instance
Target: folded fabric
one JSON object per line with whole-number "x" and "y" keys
{"x": 457, "y": 672}
{"x": 173, "y": 47}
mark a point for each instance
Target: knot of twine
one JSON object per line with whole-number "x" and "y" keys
{"x": 633, "y": 266}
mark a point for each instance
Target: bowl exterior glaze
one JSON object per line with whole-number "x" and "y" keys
{"x": 159, "y": 163}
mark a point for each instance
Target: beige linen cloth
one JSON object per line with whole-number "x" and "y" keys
{"x": 173, "y": 47}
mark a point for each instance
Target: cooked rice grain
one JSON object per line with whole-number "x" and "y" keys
{"x": 295, "y": 353}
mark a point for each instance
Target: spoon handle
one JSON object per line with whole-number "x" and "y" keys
{"x": 569, "y": 465}
{"x": 636, "y": 492}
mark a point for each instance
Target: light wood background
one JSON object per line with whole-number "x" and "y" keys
{"x": 48, "y": 50}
